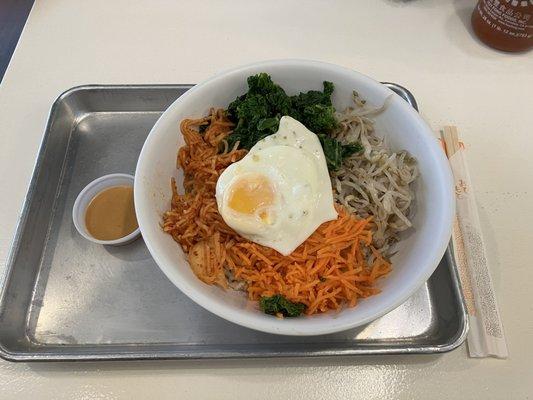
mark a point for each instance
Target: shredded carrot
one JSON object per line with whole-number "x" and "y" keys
{"x": 334, "y": 267}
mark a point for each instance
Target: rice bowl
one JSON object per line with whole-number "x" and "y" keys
{"x": 419, "y": 253}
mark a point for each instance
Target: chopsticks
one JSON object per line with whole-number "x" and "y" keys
{"x": 485, "y": 337}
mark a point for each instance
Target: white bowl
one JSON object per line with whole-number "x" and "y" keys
{"x": 85, "y": 197}
{"x": 419, "y": 253}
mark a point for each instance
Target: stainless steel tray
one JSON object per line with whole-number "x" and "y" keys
{"x": 65, "y": 298}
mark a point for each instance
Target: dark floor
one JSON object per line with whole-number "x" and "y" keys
{"x": 13, "y": 15}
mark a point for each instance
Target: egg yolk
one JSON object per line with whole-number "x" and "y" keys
{"x": 251, "y": 194}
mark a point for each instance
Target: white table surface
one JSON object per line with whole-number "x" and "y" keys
{"x": 425, "y": 45}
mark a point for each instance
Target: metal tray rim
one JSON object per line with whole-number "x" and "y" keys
{"x": 8, "y": 355}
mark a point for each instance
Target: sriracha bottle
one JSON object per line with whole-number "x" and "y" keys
{"x": 504, "y": 24}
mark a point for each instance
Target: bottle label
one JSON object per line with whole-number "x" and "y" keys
{"x": 510, "y": 17}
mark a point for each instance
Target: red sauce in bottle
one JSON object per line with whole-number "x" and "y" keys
{"x": 504, "y": 24}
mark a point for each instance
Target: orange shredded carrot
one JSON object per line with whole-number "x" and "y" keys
{"x": 333, "y": 268}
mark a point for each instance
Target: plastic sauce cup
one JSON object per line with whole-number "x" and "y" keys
{"x": 85, "y": 197}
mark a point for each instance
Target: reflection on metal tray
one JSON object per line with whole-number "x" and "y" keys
{"x": 66, "y": 298}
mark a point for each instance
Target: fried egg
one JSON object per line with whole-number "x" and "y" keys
{"x": 280, "y": 192}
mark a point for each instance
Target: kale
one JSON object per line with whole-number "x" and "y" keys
{"x": 352, "y": 148}
{"x": 313, "y": 97}
{"x": 202, "y": 128}
{"x": 335, "y": 152}
{"x": 314, "y": 109}
{"x": 319, "y": 118}
{"x": 278, "y": 304}
{"x": 256, "y": 115}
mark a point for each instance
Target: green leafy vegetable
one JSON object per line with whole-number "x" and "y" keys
{"x": 257, "y": 114}
{"x": 202, "y": 128}
{"x": 314, "y": 109}
{"x": 335, "y": 152}
{"x": 278, "y": 304}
